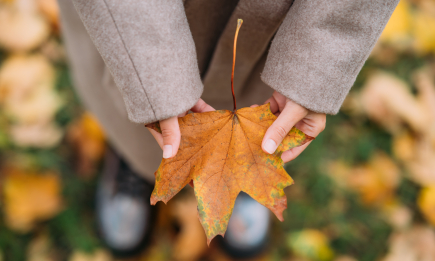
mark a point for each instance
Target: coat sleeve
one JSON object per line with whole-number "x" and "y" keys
{"x": 149, "y": 50}
{"x": 320, "y": 48}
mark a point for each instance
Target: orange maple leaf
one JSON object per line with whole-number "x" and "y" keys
{"x": 220, "y": 151}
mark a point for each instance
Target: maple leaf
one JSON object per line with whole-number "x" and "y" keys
{"x": 30, "y": 197}
{"x": 220, "y": 151}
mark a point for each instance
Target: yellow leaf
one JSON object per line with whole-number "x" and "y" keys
{"x": 311, "y": 244}
{"x": 22, "y": 74}
{"x": 30, "y": 197}
{"x": 345, "y": 258}
{"x": 421, "y": 164}
{"x": 98, "y": 255}
{"x": 404, "y": 146}
{"x": 416, "y": 243}
{"x": 424, "y": 32}
{"x": 375, "y": 182}
{"x": 21, "y": 29}
{"x": 397, "y": 215}
{"x": 40, "y": 249}
{"x": 388, "y": 101}
{"x": 51, "y": 11}
{"x": 43, "y": 135}
{"x": 91, "y": 127}
{"x": 397, "y": 30}
{"x": 220, "y": 151}
{"x": 426, "y": 203}
{"x": 424, "y": 80}
{"x": 27, "y": 89}
{"x": 88, "y": 141}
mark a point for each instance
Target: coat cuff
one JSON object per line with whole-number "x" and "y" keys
{"x": 320, "y": 48}
{"x": 149, "y": 50}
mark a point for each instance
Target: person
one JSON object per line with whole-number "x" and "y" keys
{"x": 137, "y": 62}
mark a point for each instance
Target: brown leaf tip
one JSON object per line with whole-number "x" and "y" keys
{"x": 309, "y": 138}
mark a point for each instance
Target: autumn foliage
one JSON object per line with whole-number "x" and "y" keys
{"x": 365, "y": 190}
{"x": 221, "y": 152}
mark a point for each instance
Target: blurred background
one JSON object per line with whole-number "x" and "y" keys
{"x": 365, "y": 189}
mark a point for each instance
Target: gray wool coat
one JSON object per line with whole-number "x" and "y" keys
{"x": 161, "y": 56}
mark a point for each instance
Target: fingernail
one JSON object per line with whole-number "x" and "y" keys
{"x": 270, "y": 146}
{"x": 167, "y": 151}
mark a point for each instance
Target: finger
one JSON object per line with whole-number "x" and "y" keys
{"x": 281, "y": 100}
{"x": 273, "y": 104}
{"x": 281, "y": 126}
{"x": 293, "y": 153}
{"x": 254, "y": 105}
{"x": 202, "y": 106}
{"x": 157, "y": 136}
{"x": 313, "y": 124}
{"x": 171, "y": 137}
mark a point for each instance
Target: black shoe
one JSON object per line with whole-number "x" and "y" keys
{"x": 248, "y": 229}
{"x": 124, "y": 213}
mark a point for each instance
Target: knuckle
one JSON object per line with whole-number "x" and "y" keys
{"x": 280, "y": 131}
{"x": 168, "y": 133}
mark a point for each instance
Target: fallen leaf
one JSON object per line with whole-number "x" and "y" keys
{"x": 98, "y": 255}
{"x": 397, "y": 31}
{"x": 30, "y": 197}
{"x": 45, "y": 135}
{"x": 417, "y": 154}
{"x": 40, "y": 249}
{"x": 39, "y": 106}
{"x": 375, "y": 182}
{"x": 345, "y": 258}
{"x": 404, "y": 146}
{"x": 426, "y": 203}
{"x": 51, "y": 11}
{"x": 160, "y": 251}
{"x": 20, "y": 75}
{"x": 311, "y": 244}
{"x": 424, "y": 81}
{"x": 54, "y": 51}
{"x": 221, "y": 152}
{"x": 397, "y": 215}
{"x": 388, "y": 101}
{"x": 415, "y": 244}
{"x": 88, "y": 140}
{"x": 424, "y": 32}
{"x": 426, "y": 5}
{"x": 339, "y": 171}
{"x": 21, "y": 28}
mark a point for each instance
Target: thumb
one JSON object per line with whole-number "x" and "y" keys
{"x": 171, "y": 137}
{"x": 289, "y": 116}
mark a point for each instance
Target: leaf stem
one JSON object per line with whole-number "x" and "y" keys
{"x": 239, "y": 24}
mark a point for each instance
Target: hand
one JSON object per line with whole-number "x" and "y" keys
{"x": 290, "y": 114}
{"x": 169, "y": 139}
